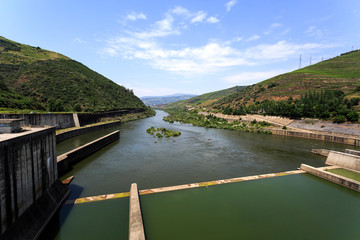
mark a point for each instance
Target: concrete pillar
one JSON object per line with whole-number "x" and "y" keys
{"x": 76, "y": 120}
{"x": 136, "y": 227}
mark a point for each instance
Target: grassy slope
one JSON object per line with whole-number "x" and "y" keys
{"x": 339, "y": 73}
{"x": 205, "y": 99}
{"x": 37, "y": 76}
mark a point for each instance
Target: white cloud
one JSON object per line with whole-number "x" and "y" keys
{"x": 148, "y": 46}
{"x": 253, "y": 38}
{"x": 272, "y": 28}
{"x": 281, "y": 50}
{"x": 181, "y": 11}
{"x": 247, "y": 78}
{"x": 313, "y": 31}
{"x": 212, "y": 20}
{"x": 161, "y": 28}
{"x": 210, "y": 58}
{"x": 199, "y": 17}
{"x": 230, "y": 4}
{"x": 133, "y": 16}
{"x": 237, "y": 39}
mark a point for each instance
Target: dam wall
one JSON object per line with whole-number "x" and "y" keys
{"x": 316, "y": 136}
{"x": 67, "y": 120}
{"x": 28, "y": 172}
{"x": 344, "y": 160}
{"x": 66, "y": 160}
{"x": 58, "y": 120}
{"x": 76, "y": 132}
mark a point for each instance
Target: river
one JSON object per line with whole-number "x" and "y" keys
{"x": 199, "y": 154}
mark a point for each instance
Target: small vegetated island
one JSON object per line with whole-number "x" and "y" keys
{"x": 161, "y": 132}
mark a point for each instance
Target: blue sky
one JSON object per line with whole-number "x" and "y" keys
{"x": 164, "y": 47}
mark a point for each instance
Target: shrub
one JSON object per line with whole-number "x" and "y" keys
{"x": 339, "y": 119}
{"x": 352, "y": 116}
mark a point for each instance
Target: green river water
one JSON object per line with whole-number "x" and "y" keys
{"x": 267, "y": 208}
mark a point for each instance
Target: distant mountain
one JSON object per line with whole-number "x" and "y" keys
{"x": 37, "y": 79}
{"x": 161, "y": 100}
{"x": 207, "y": 98}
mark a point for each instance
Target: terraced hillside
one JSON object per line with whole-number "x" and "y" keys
{"x": 339, "y": 73}
{"x": 37, "y": 79}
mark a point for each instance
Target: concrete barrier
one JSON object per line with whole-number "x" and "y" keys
{"x": 343, "y": 181}
{"x": 322, "y": 152}
{"x": 316, "y": 136}
{"x": 344, "y": 160}
{"x": 353, "y": 152}
{"x": 66, "y": 160}
{"x": 89, "y": 118}
{"x": 136, "y": 227}
{"x": 58, "y": 120}
{"x": 68, "y": 120}
{"x": 76, "y": 132}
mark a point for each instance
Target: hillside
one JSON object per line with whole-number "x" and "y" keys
{"x": 206, "y": 99}
{"x": 339, "y": 73}
{"x": 160, "y": 100}
{"x": 37, "y": 79}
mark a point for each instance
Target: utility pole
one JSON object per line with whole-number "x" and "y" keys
{"x": 310, "y": 60}
{"x": 300, "y": 62}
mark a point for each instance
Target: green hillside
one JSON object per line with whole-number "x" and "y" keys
{"x": 205, "y": 99}
{"x": 37, "y": 79}
{"x": 339, "y": 73}
{"x": 326, "y": 90}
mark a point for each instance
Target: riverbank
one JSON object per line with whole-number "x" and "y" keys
{"x": 305, "y": 128}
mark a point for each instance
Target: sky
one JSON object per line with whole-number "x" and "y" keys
{"x": 163, "y": 47}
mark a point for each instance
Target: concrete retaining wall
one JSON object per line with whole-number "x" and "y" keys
{"x": 353, "y": 152}
{"x": 343, "y": 181}
{"x": 27, "y": 168}
{"x": 60, "y": 121}
{"x": 344, "y": 160}
{"x": 323, "y": 137}
{"x": 89, "y": 118}
{"x": 67, "y": 120}
{"x": 322, "y": 152}
{"x": 66, "y": 160}
{"x": 76, "y": 132}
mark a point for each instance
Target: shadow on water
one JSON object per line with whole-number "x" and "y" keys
{"x": 54, "y": 226}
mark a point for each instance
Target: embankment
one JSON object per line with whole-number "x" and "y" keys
{"x": 323, "y": 137}
{"x": 66, "y": 160}
{"x": 79, "y": 131}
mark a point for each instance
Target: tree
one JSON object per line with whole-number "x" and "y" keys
{"x": 352, "y": 116}
{"x": 77, "y": 107}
